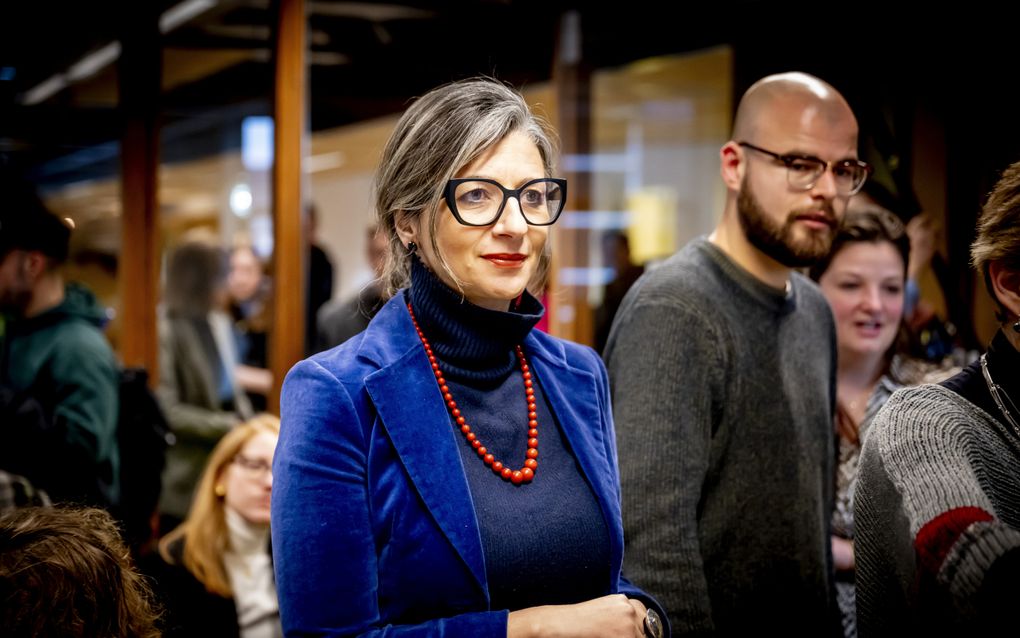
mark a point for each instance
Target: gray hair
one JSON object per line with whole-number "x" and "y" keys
{"x": 443, "y": 131}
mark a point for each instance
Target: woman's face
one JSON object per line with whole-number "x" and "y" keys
{"x": 493, "y": 263}
{"x": 864, "y": 285}
{"x": 249, "y": 479}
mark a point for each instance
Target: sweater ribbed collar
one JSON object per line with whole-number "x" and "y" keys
{"x": 781, "y": 301}
{"x": 471, "y": 342}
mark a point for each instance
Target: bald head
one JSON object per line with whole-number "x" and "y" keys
{"x": 785, "y": 95}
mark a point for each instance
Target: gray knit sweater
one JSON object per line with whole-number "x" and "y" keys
{"x": 723, "y": 393}
{"x": 937, "y": 512}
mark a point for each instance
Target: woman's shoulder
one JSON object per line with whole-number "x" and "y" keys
{"x": 925, "y": 420}
{"x": 916, "y": 407}
{"x": 387, "y": 339}
{"x": 906, "y": 370}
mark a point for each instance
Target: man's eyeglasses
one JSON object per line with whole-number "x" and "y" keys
{"x": 804, "y": 171}
{"x": 253, "y": 467}
{"x": 475, "y": 201}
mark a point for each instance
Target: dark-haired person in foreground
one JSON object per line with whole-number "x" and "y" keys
{"x": 66, "y": 573}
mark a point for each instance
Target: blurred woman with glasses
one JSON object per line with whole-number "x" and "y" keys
{"x": 216, "y": 577}
{"x": 451, "y": 471}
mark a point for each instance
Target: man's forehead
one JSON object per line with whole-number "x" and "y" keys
{"x": 805, "y": 126}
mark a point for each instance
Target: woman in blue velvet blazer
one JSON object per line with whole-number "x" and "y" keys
{"x": 392, "y": 513}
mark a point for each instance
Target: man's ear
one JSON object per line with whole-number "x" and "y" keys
{"x": 1006, "y": 286}
{"x": 407, "y": 227}
{"x": 731, "y": 165}
{"x": 34, "y": 264}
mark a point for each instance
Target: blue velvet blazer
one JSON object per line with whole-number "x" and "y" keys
{"x": 374, "y": 530}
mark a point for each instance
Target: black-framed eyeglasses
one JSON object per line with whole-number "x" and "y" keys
{"x": 804, "y": 171}
{"x": 254, "y": 467}
{"x": 476, "y": 201}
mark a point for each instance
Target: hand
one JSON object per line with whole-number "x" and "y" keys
{"x": 843, "y": 554}
{"x": 614, "y": 616}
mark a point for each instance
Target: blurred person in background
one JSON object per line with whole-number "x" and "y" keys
{"x": 216, "y": 571}
{"x": 249, "y": 307}
{"x": 58, "y": 375}
{"x": 198, "y": 389}
{"x": 338, "y": 323}
{"x": 863, "y": 278}
{"x": 320, "y": 276}
{"x": 929, "y": 333}
{"x": 615, "y": 255}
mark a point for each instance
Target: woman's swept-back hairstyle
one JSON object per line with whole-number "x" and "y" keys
{"x": 205, "y": 528}
{"x": 441, "y": 132}
{"x": 998, "y": 232}
{"x": 869, "y": 223}
{"x": 66, "y": 572}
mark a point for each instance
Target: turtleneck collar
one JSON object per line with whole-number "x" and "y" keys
{"x": 470, "y": 341}
{"x": 245, "y": 537}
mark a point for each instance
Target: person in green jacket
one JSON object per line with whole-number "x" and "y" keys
{"x": 58, "y": 374}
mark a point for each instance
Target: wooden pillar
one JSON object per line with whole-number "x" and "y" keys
{"x": 570, "y": 316}
{"x": 139, "y": 75}
{"x": 287, "y": 338}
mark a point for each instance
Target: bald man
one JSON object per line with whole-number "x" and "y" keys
{"x": 722, "y": 364}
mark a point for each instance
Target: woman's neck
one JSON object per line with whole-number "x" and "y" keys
{"x": 471, "y": 342}
{"x": 859, "y": 371}
{"x": 245, "y": 537}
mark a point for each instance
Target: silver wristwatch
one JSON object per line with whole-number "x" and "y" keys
{"x": 653, "y": 624}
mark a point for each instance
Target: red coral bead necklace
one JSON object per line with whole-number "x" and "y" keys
{"x": 527, "y": 471}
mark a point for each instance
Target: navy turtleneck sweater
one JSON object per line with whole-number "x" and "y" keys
{"x": 545, "y": 542}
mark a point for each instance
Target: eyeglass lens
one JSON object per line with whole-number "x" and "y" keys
{"x": 480, "y": 202}
{"x": 805, "y": 173}
{"x": 253, "y": 466}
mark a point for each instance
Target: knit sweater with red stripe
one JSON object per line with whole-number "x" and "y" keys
{"x": 938, "y": 509}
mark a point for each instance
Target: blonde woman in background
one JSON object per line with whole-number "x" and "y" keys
{"x": 216, "y": 572}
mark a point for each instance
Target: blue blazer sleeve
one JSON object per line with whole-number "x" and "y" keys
{"x": 324, "y": 542}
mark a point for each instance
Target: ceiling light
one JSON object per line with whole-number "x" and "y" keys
{"x": 94, "y": 62}
{"x": 180, "y": 13}
{"x": 241, "y": 200}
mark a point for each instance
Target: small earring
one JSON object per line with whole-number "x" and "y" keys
{"x": 220, "y": 490}
{"x": 1016, "y": 326}
{"x": 411, "y": 248}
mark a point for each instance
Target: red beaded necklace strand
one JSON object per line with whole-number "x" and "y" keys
{"x": 527, "y": 472}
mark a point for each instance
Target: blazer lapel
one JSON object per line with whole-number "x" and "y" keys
{"x": 414, "y": 415}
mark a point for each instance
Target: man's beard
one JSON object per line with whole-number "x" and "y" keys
{"x": 779, "y": 242}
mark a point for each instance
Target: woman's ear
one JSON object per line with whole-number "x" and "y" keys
{"x": 407, "y": 227}
{"x": 1006, "y": 287}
